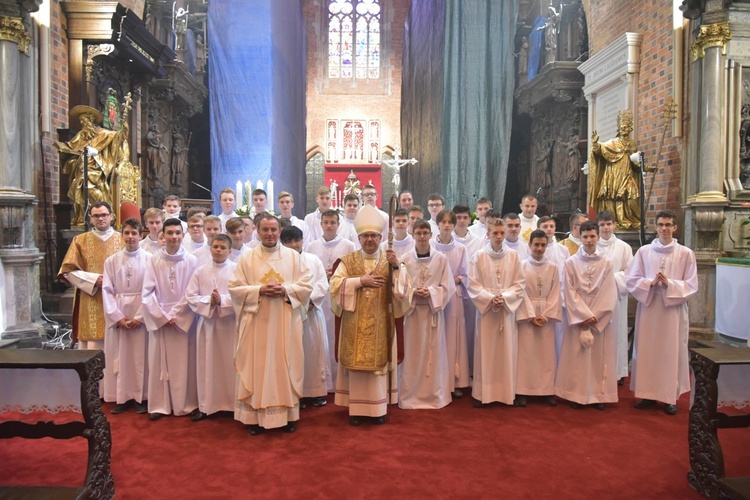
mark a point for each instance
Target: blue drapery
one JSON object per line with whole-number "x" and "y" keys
{"x": 257, "y": 94}
{"x": 535, "y": 46}
{"x": 457, "y": 98}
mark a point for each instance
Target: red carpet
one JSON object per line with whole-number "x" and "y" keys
{"x": 459, "y": 451}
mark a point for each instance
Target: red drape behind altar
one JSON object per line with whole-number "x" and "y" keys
{"x": 366, "y": 173}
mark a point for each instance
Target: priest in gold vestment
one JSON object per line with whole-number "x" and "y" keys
{"x": 367, "y": 305}
{"x": 614, "y": 181}
{"x": 83, "y": 267}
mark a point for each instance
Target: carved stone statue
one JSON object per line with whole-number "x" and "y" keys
{"x": 544, "y": 162}
{"x": 156, "y": 151}
{"x": 523, "y": 57}
{"x": 550, "y": 35}
{"x": 614, "y": 181}
{"x": 572, "y": 156}
{"x": 179, "y": 159}
{"x": 200, "y": 55}
{"x": 110, "y": 151}
{"x": 745, "y": 147}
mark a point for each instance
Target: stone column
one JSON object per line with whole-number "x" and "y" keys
{"x": 705, "y": 217}
{"x": 18, "y": 253}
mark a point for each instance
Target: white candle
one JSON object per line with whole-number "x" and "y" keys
{"x": 259, "y": 185}
{"x": 248, "y": 193}
{"x": 269, "y": 192}
{"x": 238, "y": 195}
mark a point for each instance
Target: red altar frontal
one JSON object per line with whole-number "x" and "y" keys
{"x": 337, "y": 174}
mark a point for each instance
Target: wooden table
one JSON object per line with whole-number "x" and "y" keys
{"x": 706, "y": 457}
{"x": 95, "y": 428}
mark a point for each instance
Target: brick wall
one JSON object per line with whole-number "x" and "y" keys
{"x": 323, "y": 103}
{"x": 607, "y": 21}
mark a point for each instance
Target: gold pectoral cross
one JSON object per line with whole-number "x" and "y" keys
{"x": 272, "y": 278}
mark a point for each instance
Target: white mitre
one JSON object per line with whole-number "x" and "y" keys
{"x": 368, "y": 219}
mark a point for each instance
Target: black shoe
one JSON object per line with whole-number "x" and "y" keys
{"x": 155, "y": 416}
{"x": 576, "y": 406}
{"x": 290, "y": 427}
{"x": 319, "y": 402}
{"x": 670, "y": 409}
{"x": 199, "y": 415}
{"x": 599, "y": 406}
{"x": 303, "y": 403}
{"x": 355, "y": 421}
{"x": 121, "y": 408}
{"x": 457, "y": 394}
{"x": 141, "y": 408}
{"x": 378, "y": 420}
{"x": 520, "y": 401}
{"x": 550, "y": 400}
{"x": 621, "y": 382}
{"x": 254, "y": 430}
{"x": 644, "y": 403}
{"x": 477, "y": 404}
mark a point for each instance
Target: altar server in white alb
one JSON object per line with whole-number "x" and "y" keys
{"x": 169, "y": 320}
{"x": 424, "y": 376}
{"x": 455, "y": 327}
{"x": 541, "y": 311}
{"x": 662, "y": 277}
{"x": 512, "y": 235}
{"x": 586, "y": 371}
{"x": 403, "y": 242}
{"x": 497, "y": 288}
{"x": 208, "y": 296}
{"x": 330, "y": 247}
{"x": 271, "y": 290}
{"x": 126, "y": 339}
{"x": 314, "y": 335}
{"x": 621, "y": 255}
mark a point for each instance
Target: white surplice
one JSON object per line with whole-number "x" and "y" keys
{"x": 425, "y": 378}
{"x": 366, "y": 393}
{"x": 149, "y": 245}
{"x": 190, "y": 246}
{"x": 661, "y": 368}
{"x": 224, "y": 218}
{"x": 519, "y": 246}
{"x": 215, "y": 336}
{"x": 234, "y": 254}
{"x": 318, "y": 368}
{"x": 473, "y": 244}
{"x": 125, "y": 350}
{"x": 401, "y": 247}
{"x": 496, "y": 341}
{"x": 621, "y": 255}
{"x": 349, "y": 232}
{"x": 455, "y": 320}
{"x": 313, "y": 230}
{"x": 269, "y": 357}
{"x": 587, "y": 375}
{"x": 329, "y": 252}
{"x": 479, "y": 229}
{"x": 536, "y": 345}
{"x": 171, "y": 349}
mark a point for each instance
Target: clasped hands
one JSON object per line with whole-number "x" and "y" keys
{"x": 585, "y": 325}
{"x": 128, "y": 324}
{"x": 539, "y": 321}
{"x": 273, "y": 290}
{"x": 660, "y": 278}
{"x": 497, "y": 301}
{"x": 215, "y": 297}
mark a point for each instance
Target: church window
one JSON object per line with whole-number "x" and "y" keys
{"x": 354, "y": 39}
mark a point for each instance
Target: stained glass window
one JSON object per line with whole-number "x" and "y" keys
{"x": 354, "y": 39}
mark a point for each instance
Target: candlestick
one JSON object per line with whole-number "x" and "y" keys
{"x": 269, "y": 191}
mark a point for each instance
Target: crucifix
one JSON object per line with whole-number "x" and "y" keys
{"x": 397, "y": 163}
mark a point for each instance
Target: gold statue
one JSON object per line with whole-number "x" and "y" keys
{"x": 614, "y": 181}
{"x": 112, "y": 153}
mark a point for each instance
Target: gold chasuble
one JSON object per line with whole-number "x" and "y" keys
{"x": 87, "y": 253}
{"x": 366, "y": 331}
